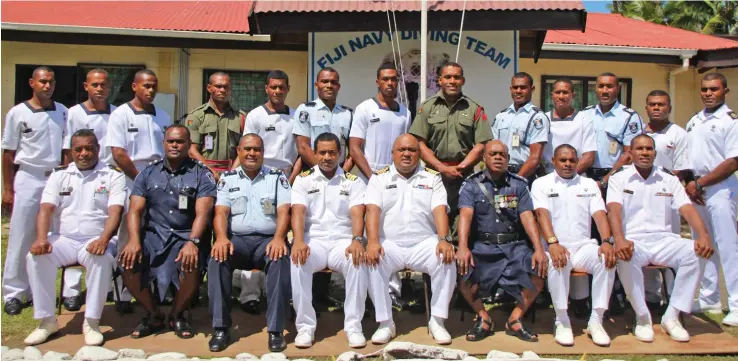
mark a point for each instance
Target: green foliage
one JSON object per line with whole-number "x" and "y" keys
{"x": 706, "y": 16}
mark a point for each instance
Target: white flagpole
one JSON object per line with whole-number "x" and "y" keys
{"x": 423, "y": 49}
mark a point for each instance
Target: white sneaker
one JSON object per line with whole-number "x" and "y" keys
{"x": 384, "y": 333}
{"x": 91, "y": 330}
{"x": 598, "y": 334}
{"x": 438, "y": 331}
{"x": 643, "y": 329}
{"x": 356, "y": 340}
{"x": 731, "y": 319}
{"x": 563, "y": 334}
{"x": 304, "y": 339}
{"x": 47, "y": 328}
{"x": 674, "y": 329}
{"x": 700, "y": 307}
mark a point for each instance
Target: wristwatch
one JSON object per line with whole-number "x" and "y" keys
{"x": 697, "y": 186}
{"x": 447, "y": 238}
{"x": 196, "y": 241}
{"x": 610, "y": 240}
{"x": 552, "y": 240}
{"x": 360, "y": 239}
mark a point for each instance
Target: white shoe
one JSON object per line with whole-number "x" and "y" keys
{"x": 563, "y": 334}
{"x": 731, "y": 319}
{"x": 304, "y": 339}
{"x": 643, "y": 330}
{"x": 384, "y": 333}
{"x": 700, "y": 307}
{"x": 438, "y": 331}
{"x": 598, "y": 334}
{"x": 356, "y": 340}
{"x": 91, "y": 330}
{"x": 674, "y": 329}
{"x": 47, "y": 328}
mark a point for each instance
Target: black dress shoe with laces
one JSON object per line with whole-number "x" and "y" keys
{"x": 73, "y": 303}
{"x": 251, "y": 307}
{"x": 220, "y": 340}
{"x": 397, "y": 302}
{"x": 13, "y": 306}
{"x": 277, "y": 342}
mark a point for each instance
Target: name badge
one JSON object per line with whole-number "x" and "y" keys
{"x": 234, "y": 189}
{"x": 208, "y": 142}
{"x": 132, "y": 130}
{"x": 391, "y": 186}
{"x": 516, "y": 140}
{"x": 65, "y": 193}
{"x": 613, "y": 147}
{"x": 664, "y": 194}
{"x": 627, "y": 191}
{"x": 182, "y": 202}
{"x": 343, "y": 193}
{"x": 313, "y": 191}
{"x": 270, "y": 128}
{"x": 553, "y": 195}
{"x": 374, "y": 120}
{"x": 267, "y": 205}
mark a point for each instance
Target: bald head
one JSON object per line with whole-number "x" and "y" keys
{"x": 406, "y": 154}
{"x": 496, "y": 157}
{"x": 405, "y": 139}
{"x": 495, "y": 146}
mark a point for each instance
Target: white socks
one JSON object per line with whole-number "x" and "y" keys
{"x": 562, "y": 317}
{"x": 598, "y": 314}
{"x": 671, "y": 313}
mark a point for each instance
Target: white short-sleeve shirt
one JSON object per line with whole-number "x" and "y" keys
{"x": 575, "y": 130}
{"x": 379, "y": 126}
{"x": 276, "y": 130}
{"x": 140, "y": 133}
{"x": 328, "y": 203}
{"x": 315, "y": 118}
{"x": 407, "y": 204}
{"x": 82, "y": 118}
{"x": 712, "y": 138}
{"x": 571, "y": 204}
{"x": 647, "y": 203}
{"x": 82, "y": 198}
{"x": 36, "y": 135}
{"x": 671, "y": 147}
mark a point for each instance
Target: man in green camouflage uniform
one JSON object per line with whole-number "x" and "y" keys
{"x": 452, "y": 130}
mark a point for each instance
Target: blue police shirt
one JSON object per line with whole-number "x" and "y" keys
{"x": 613, "y": 130}
{"x": 529, "y": 123}
{"x": 162, "y": 187}
{"x": 510, "y": 197}
{"x": 315, "y": 118}
{"x": 253, "y": 202}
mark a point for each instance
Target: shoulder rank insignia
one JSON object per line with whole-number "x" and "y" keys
{"x": 480, "y": 114}
{"x": 475, "y": 174}
{"x": 155, "y": 162}
{"x": 345, "y": 107}
{"x": 351, "y": 177}
{"x": 537, "y": 109}
{"x": 513, "y": 175}
{"x": 432, "y": 171}
{"x": 275, "y": 171}
{"x": 383, "y": 170}
{"x": 115, "y": 168}
{"x": 61, "y": 167}
{"x": 307, "y": 172}
{"x": 628, "y": 110}
{"x": 589, "y": 107}
{"x": 310, "y": 104}
{"x": 230, "y": 172}
{"x": 733, "y": 115}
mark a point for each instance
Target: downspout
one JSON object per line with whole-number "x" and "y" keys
{"x": 686, "y": 56}
{"x": 184, "y": 73}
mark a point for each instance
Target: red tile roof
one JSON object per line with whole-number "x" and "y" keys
{"x": 263, "y": 6}
{"x": 617, "y": 30}
{"x": 222, "y": 16}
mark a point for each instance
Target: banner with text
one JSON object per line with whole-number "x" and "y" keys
{"x": 489, "y": 58}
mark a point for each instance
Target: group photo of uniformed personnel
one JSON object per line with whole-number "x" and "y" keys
{"x": 292, "y": 212}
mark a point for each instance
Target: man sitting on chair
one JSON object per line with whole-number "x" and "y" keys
{"x": 86, "y": 199}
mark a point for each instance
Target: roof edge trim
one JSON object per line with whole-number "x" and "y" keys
{"x": 688, "y": 53}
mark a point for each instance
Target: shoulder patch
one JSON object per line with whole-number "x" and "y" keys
{"x": 310, "y": 104}
{"x": 383, "y": 170}
{"x": 351, "y": 176}
{"x": 432, "y": 171}
{"x": 307, "y": 172}
{"x": 420, "y": 110}
{"x": 230, "y": 172}
{"x": 589, "y": 107}
{"x": 733, "y": 115}
{"x": 480, "y": 114}
{"x": 61, "y": 167}
{"x": 275, "y": 171}
{"x": 115, "y": 168}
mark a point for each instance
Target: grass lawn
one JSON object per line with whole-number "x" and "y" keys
{"x": 18, "y": 327}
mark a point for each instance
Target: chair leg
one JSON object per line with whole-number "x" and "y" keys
{"x": 116, "y": 293}
{"x": 426, "y": 289}
{"x": 61, "y": 291}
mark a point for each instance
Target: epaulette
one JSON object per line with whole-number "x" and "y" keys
{"x": 61, "y": 167}
{"x": 475, "y": 174}
{"x": 351, "y": 177}
{"x": 243, "y": 113}
{"x": 589, "y": 107}
{"x": 307, "y": 172}
{"x": 513, "y": 175}
{"x": 310, "y": 104}
{"x": 155, "y": 162}
{"x": 432, "y": 171}
{"x": 230, "y": 172}
{"x": 275, "y": 171}
{"x": 345, "y": 107}
{"x": 382, "y": 170}
{"x": 666, "y": 171}
{"x": 628, "y": 110}
{"x": 115, "y": 168}
{"x": 201, "y": 107}
{"x": 200, "y": 163}
{"x": 733, "y": 115}
{"x": 537, "y": 109}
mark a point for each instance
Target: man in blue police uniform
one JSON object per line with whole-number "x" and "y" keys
{"x": 176, "y": 196}
{"x": 251, "y": 219}
{"x": 523, "y": 127}
{"x": 496, "y": 205}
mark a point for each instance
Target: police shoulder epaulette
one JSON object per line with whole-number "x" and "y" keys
{"x": 733, "y": 115}
{"x": 589, "y": 107}
{"x": 504, "y": 110}
{"x": 155, "y": 162}
{"x": 310, "y": 104}
{"x": 666, "y": 171}
{"x": 513, "y": 175}
{"x": 382, "y": 170}
{"x": 345, "y": 107}
{"x": 114, "y": 167}
{"x": 628, "y": 110}
{"x": 475, "y": 174}
{"x": 307, "y": 172}
{"x": 275, "y": 171}
{"x": 61, "y": 167}
{"x": 537, "y": 109}
{"x": 432, "y": 171}
{"x": 230, "y": 172}
{"x": 351, "y": 177}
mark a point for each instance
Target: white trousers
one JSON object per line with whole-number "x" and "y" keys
{"x": 68, "y": 251}
{"x": 719, "y": 215}
{"x": 582, "y": 259}
{"x": 250, "y": 282}
{"x": 29, "y": 185}
{"x": 663, "y": 250}
{"x": 329, "y": 255}
{"x": 420, "y": 257}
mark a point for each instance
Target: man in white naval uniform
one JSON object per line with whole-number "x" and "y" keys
{"x": 328, "y": 226}
{"x": 640, "y": 199}
{"x": 565, "y": 204}
{"x": 407, "y": 227}
{"x": 86, "y": 199}
{"x": 713, "y": 153}
{"x": 32, "y": 140}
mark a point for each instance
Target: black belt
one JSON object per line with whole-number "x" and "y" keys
{"x": 498, "y": 238}
{"x": 513, "y": 168}
{"x": 598, "y": 172}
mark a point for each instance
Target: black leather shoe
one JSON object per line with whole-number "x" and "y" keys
{"x": 580, "y": 308}
{"x": 277, "y": 342}
{"x": 397, "y": 303}
{"x": 220, "y": 340}
{"x": 124, "y": 307}
{"x": 13, "y": 306}
{"x": 251, "y": 307}
{"x": 73, "y": 303}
